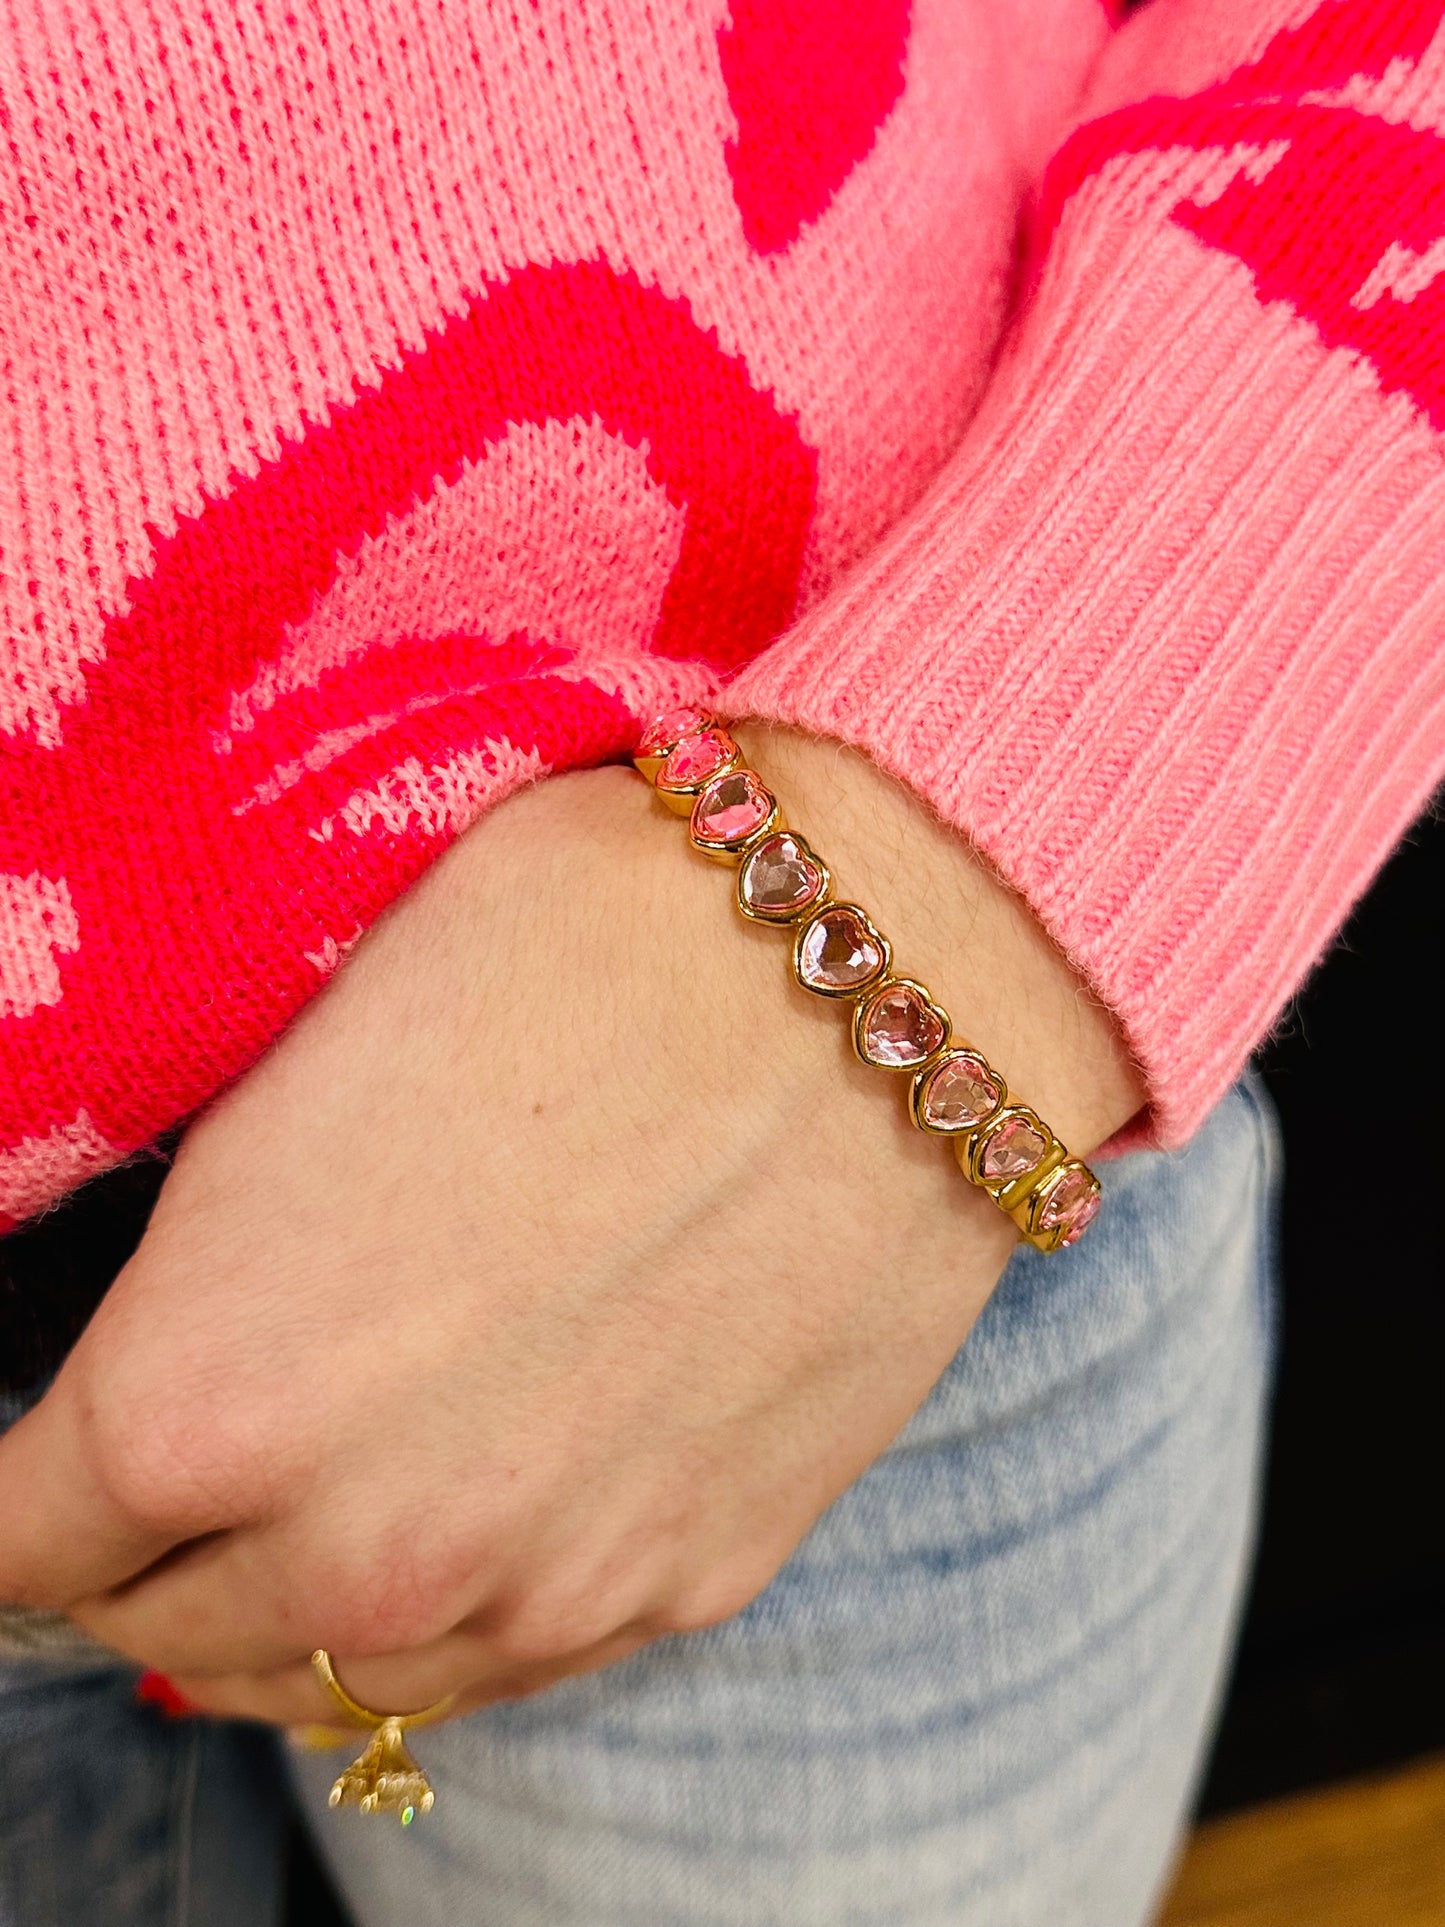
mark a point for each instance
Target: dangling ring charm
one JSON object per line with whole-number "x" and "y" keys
{"x": 383, "y": 1778}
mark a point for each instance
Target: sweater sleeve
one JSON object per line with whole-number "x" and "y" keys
{"x": 1165, "y": 637}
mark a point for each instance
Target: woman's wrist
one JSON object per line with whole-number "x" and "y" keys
{"x": 956, "y": 926}
{"x": 951, "y": 921}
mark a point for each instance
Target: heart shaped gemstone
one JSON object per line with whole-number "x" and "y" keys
{"x": 899, "y": 1027}
{"x": 730, "y": 810}
{"x": 669, "y": 728}
{"x": 839, "y": 951}
{"x": 780, "y": 877}
{"x": 1073, "y": 1203}
{"x": 961, "y": 1093}
{"x": 699, "y": 755}
{"x": 1012, "y": 1149}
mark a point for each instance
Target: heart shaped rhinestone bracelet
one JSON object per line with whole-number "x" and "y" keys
{"x": 697, "y": 770}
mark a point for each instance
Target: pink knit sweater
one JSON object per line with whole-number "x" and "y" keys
{"x": 403, "y": 397}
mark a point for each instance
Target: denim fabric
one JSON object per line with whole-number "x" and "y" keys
{"x": 976, "y": 1696}
{"x": 111, "y": 1816}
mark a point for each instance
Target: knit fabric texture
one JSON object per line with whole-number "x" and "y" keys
{"x": 404, "y": 399}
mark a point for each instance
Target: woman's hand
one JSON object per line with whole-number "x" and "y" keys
{"x": 550, "y": 1276}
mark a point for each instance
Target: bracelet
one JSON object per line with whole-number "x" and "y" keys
{"x": 696, "y": 769}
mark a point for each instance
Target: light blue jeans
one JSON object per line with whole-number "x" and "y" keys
{"x": 976, "y": 1696}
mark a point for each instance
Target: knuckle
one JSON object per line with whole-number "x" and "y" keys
{"x": 353, "y": 1624}
{"x": 721, "y": 1596}
{"x": 138, "y": 1459}
{"x": 390, "y": 1603}
{"x": 368, "y": 1622}
{"x": 545, "y": 1627}
{"x": 169, "y": 1463}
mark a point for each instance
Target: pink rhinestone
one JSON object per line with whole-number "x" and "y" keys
{"x": 900, "y": 1027}
{"x": 780, "y": 877}
{"x": 697, "y": 757}
{"x": 839, "y": 950}
{"x": 1015, "y": 1147}
{"x": 961, "y": 1093}
{"x": 665, "y": 730}
{"x": 1073, "y": 1203}
{"x": 731, "y": 808}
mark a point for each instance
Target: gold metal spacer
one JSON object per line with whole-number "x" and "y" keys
{"x": 1027, "y": 1213}
{"x": 1015, "y": 1197}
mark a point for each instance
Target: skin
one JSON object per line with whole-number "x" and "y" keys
{"x": 536, "y": 1292}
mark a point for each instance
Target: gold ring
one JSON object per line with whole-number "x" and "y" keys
{"x": 383, "y": 1778}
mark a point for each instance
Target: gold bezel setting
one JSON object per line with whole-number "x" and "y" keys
{"x": 983, "y": 1135}
{"x": 866, "y": 1001}
{"x": 1051, "y": 1237}
{"x": 731, "y": 849}
{"x": 923, "y": 1080}
{"x": 680, "y": 796}
{"x": 841, "y": 993}
{"x": 780, "y": 920}
{"x": 648, "y": 762}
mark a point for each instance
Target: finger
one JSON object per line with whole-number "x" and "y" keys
{"x": 261, "y": 1597}
{"x": 66, "y": 1533}
{"x": 234, "y": 1603}
{"x": 465, "y": 1665}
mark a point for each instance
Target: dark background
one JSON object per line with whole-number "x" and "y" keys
{"x": 1341, "y": 1667}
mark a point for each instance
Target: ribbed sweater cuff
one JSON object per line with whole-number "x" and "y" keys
{"x": 1159, "y": 642}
